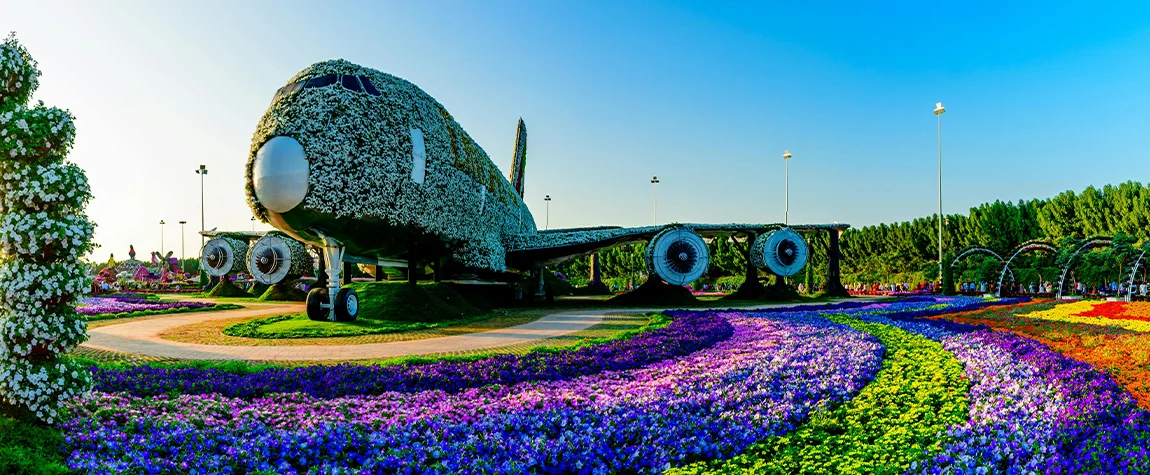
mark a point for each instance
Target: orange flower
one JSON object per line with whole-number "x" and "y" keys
{"x": 1121, "y": 352}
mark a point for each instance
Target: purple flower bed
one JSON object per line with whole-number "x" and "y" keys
{"x": 761, "y": 381}
{"x": 93, "y": 306}
{"x": 683, "y": 336}
{"x": 1032, "y": 409}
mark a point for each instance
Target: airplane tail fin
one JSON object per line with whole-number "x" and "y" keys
{"x": 519, "y": 162}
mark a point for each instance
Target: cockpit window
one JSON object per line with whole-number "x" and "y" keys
{"x": 322, "y": 81}
{"x": 368, "y": 87}
{"x": 350, "y": 83}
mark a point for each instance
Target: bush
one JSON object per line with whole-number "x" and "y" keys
{"x": 656, "y": 292}
{"x": 227, "y": 288}
{"x": 282, "y": 292}
{"x": 30, "y": 449}
{"x": 258, "y": 289}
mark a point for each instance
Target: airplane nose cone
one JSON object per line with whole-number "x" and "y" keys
{"x": 280, "y": 174}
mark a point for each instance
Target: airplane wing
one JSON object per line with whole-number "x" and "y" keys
{"x": 234, "y": 234}
{"x": 559, "y": 245}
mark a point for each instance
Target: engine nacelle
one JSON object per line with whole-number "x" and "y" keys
{"x": 223, "y": 255}
{"x": 678, "y": 255}
{"x": 783, "y": 252}
{"x": 275, "y": 257}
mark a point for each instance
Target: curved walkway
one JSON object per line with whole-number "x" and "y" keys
{"x": 142, "y": 337}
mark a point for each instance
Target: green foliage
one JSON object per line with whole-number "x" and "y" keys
{"x": 227, "y": 288}
{"x": 919, "y": 392}
{"x": 145, "y": 313}
{"x": 908, "y": 251}
{"x": 258, "y": 289}
{"x": 385, "y": 307}
{"x": 656, "y": 292}
{"x": 282, "y": 292}
{"x": 27, "y": 448}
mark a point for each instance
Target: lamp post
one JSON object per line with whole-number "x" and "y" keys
{"x": 162, "y": 238}
{"x": 787, "y": 210}
{"x": 547, "y": 223}
{"x": 202, "y": 172}
{"x": 182, "y": 255}
{"x": 655, "y": 187}
{"x": 938, "y": 111}
{"x": 253, "y": 224}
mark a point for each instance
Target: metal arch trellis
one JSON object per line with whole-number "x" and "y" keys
{"x": 1133, "y": 273}
{"x": 1089, "y": 243}
{"x": 977, "y": 249}
{"x": 1024, "y": 247}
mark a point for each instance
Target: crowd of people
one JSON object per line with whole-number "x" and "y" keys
{"x": 901, "y": 288}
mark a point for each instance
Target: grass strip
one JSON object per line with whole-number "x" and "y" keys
{"x": 146, "y": 313}
{"x": 654, "y": 321}
{"x": 896, "y": 419}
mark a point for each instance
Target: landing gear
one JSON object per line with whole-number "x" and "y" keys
{"x": 317, "y": 301}
{"x": 346, "y": 305}
{"x": 334, "y": 304}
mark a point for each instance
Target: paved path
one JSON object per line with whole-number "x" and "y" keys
{"x": 142, "y": 337}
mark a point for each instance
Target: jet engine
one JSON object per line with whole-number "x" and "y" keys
{"x": 223, "y": 255}
{"x": 274, "y": 257}
{"x": 678, "y": 256}
{"x": 783, "y": 252}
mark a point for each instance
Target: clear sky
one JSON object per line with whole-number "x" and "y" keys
{"x": 1041, "y": 97}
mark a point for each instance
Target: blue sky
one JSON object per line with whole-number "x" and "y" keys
{"x": 1041, "y": 97}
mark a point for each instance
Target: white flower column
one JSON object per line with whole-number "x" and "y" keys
{"x": 43, "y": 234}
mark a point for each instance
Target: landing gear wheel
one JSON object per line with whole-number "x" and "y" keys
{"x": 346, "y": 305}
{"x": 316, "y": 299}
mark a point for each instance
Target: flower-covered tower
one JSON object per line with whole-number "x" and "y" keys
{"x": 43, "y": 234}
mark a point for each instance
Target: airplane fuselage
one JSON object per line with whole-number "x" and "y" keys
{"x": 372, "y": 161}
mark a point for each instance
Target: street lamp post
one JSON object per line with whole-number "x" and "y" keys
{"x": 253, "y": 224}
{"x": 547, "y": 223}
{"x": 183, "y": 257}
{"x": 938, "y": 111}
{"x": 787, "y": 210}
{"x": 162, "y": 238}
{"x": 655, "y": 187}
{"x": 202, "y": 172}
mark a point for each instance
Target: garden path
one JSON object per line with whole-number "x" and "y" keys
{"x": 142, "y": 337}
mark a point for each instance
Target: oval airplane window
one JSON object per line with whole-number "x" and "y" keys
{"x": 418, "y": 156}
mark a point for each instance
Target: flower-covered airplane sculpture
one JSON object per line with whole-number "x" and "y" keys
{"x": 368, "y": 167}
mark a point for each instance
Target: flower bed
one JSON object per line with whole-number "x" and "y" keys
{"x": 1113, "y": 314}
{"x": 760, "y": 381}
{"x": 789, "y": 390}
{"x": 1124, "y": 354}
{"x": 132, "y": 305}
{"x": 1032, "y": 409}
{"x": 918, "y": 393}
{"x": 681, "y": 337}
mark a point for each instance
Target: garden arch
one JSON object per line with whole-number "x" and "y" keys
{"x": 978, "y": 249}
{"x": 1133, "y": 273}
{"x": 1088, "y": 244}
{"x": 1024, "y": 247}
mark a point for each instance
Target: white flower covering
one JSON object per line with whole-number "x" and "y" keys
{"x": 360, "y": 154}
{"x": 43, "y": 234}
